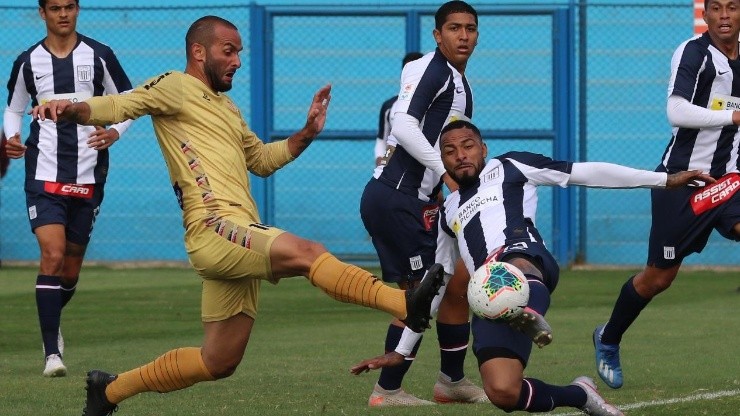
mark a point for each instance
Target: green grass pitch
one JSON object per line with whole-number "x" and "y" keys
{"x": 679, "y": 358}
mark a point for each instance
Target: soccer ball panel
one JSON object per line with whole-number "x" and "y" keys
{"x": 498, "y": 291}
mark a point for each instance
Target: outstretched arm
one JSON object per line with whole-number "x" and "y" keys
{"x": 56, "y": 110}
{"x": 610, "y": 175}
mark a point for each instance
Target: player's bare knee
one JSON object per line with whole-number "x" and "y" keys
{"x": 505, "y": 400}
{"x": 223, "y": 368}
{"x": 309, "y": 250}
{"x": 52, "y": 262}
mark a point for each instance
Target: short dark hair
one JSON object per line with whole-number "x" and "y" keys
{"x": 452, "y": 7}
{"x": 42, "y": 3}
{"x": 461, "y": 124}
{"x": 201, "y": 31}
{"x": 411, "y": 56}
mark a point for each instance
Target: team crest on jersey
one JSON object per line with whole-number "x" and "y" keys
{"x": 84, "y": 73}
{"x": 491, "y": 175}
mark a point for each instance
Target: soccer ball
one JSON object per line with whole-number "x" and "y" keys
{"x": 498, "y": 291}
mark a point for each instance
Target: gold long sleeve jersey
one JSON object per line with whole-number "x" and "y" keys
{"x": 205, "y": 141}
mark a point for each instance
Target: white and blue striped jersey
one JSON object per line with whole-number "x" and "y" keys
{"x": 704, "y": 76}
{"x": 500, "y": 209}
{"x": 58, "y": 152}
{"x": 435, "y": 93}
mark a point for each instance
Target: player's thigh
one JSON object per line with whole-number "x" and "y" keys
{"x": 227, "y": 250}
{"x": 232, "y": 260}
{"x": 502, "y": 374}
{"x": 499, "y": 340}
{"x": 82, "y": 215}
{"x": 403, "y": 231}
{"x": 291, "y": 255}
{"x": 728, "y": 223}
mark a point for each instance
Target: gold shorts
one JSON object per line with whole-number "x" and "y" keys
{"x": 232, "y": 260}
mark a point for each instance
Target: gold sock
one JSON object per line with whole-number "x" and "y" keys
{"x": 174, "y": 370}
{"x": 351, "y": 284}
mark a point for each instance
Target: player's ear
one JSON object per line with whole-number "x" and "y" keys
{"x": 198, "y": 52}
{"x": 485, "y": 149}
{"x": 42, "y": 13}
{"x": 437, "y": 36}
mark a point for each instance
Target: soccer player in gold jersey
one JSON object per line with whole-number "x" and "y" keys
{"x": 209, "y": 150}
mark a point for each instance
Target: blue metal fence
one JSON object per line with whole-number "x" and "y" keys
{"x": 567, "y": 79}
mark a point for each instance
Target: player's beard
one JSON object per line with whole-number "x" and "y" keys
{"x": 212, "y": 73}
{"x": 466, "y": 180}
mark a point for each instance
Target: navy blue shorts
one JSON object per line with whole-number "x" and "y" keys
{"x": 403, "y": 230}
{"x": 677, "y": 232}
{"x": 495, "y": 340}
{"x": 76, "y": 213}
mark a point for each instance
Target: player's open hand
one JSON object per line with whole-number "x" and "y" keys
{"x": 101, "y": 138}
{"x": 317, "y": 112}
{"x": 689, "y": 177}
{"x": 14, "y": 148}
{"x": 390, "y": 359}
{"x": 51, "y": 110}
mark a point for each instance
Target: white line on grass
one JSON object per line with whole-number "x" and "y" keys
{"x": 694, "y": 398}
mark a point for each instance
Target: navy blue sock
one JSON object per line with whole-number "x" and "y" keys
{"x": 453, "y": 346}
{"x": 538, "y": 396}
{"x": 67, "y": 292}
{"x": 539, "y": 294}
{"x": 628, "y": 306}
{"x": 392, "y": 377}
{"x": 49, "y": 305}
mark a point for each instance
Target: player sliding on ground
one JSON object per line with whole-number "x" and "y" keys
{"x": 209, "y": 149}
{"x": 491, "y": 217}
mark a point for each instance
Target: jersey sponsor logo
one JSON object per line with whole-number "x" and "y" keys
{"x": 38, "y": 77}
{"x": 416, "y": 263}
{"x": 153, "y": 83}
{"x": 75, "y": 97}
{"x": 724, "y": 102}
{"x": 712, "y": 196}
{"x": 429, "y": 214}
{"x": 69, "y": 189}
{"x": 669, "y": 253}
{"x": 485, "y": 199}
{"x": 459, "y": 90}
{"x": 722, "y": 72}
{"x": 84, "y": 73}
{"x": 406, "y": 92}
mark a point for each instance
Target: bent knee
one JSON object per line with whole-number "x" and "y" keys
{"x": 222, "y": 369}
{"x": 653, "y": 281}
{"x": 505, "y": 398}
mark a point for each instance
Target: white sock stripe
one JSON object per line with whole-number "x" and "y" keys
{"x": 531, "y": 394}
{"x": 460, "y": 348}
{"x": 48, "y": 287}
{"x": 69, "y": 289}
